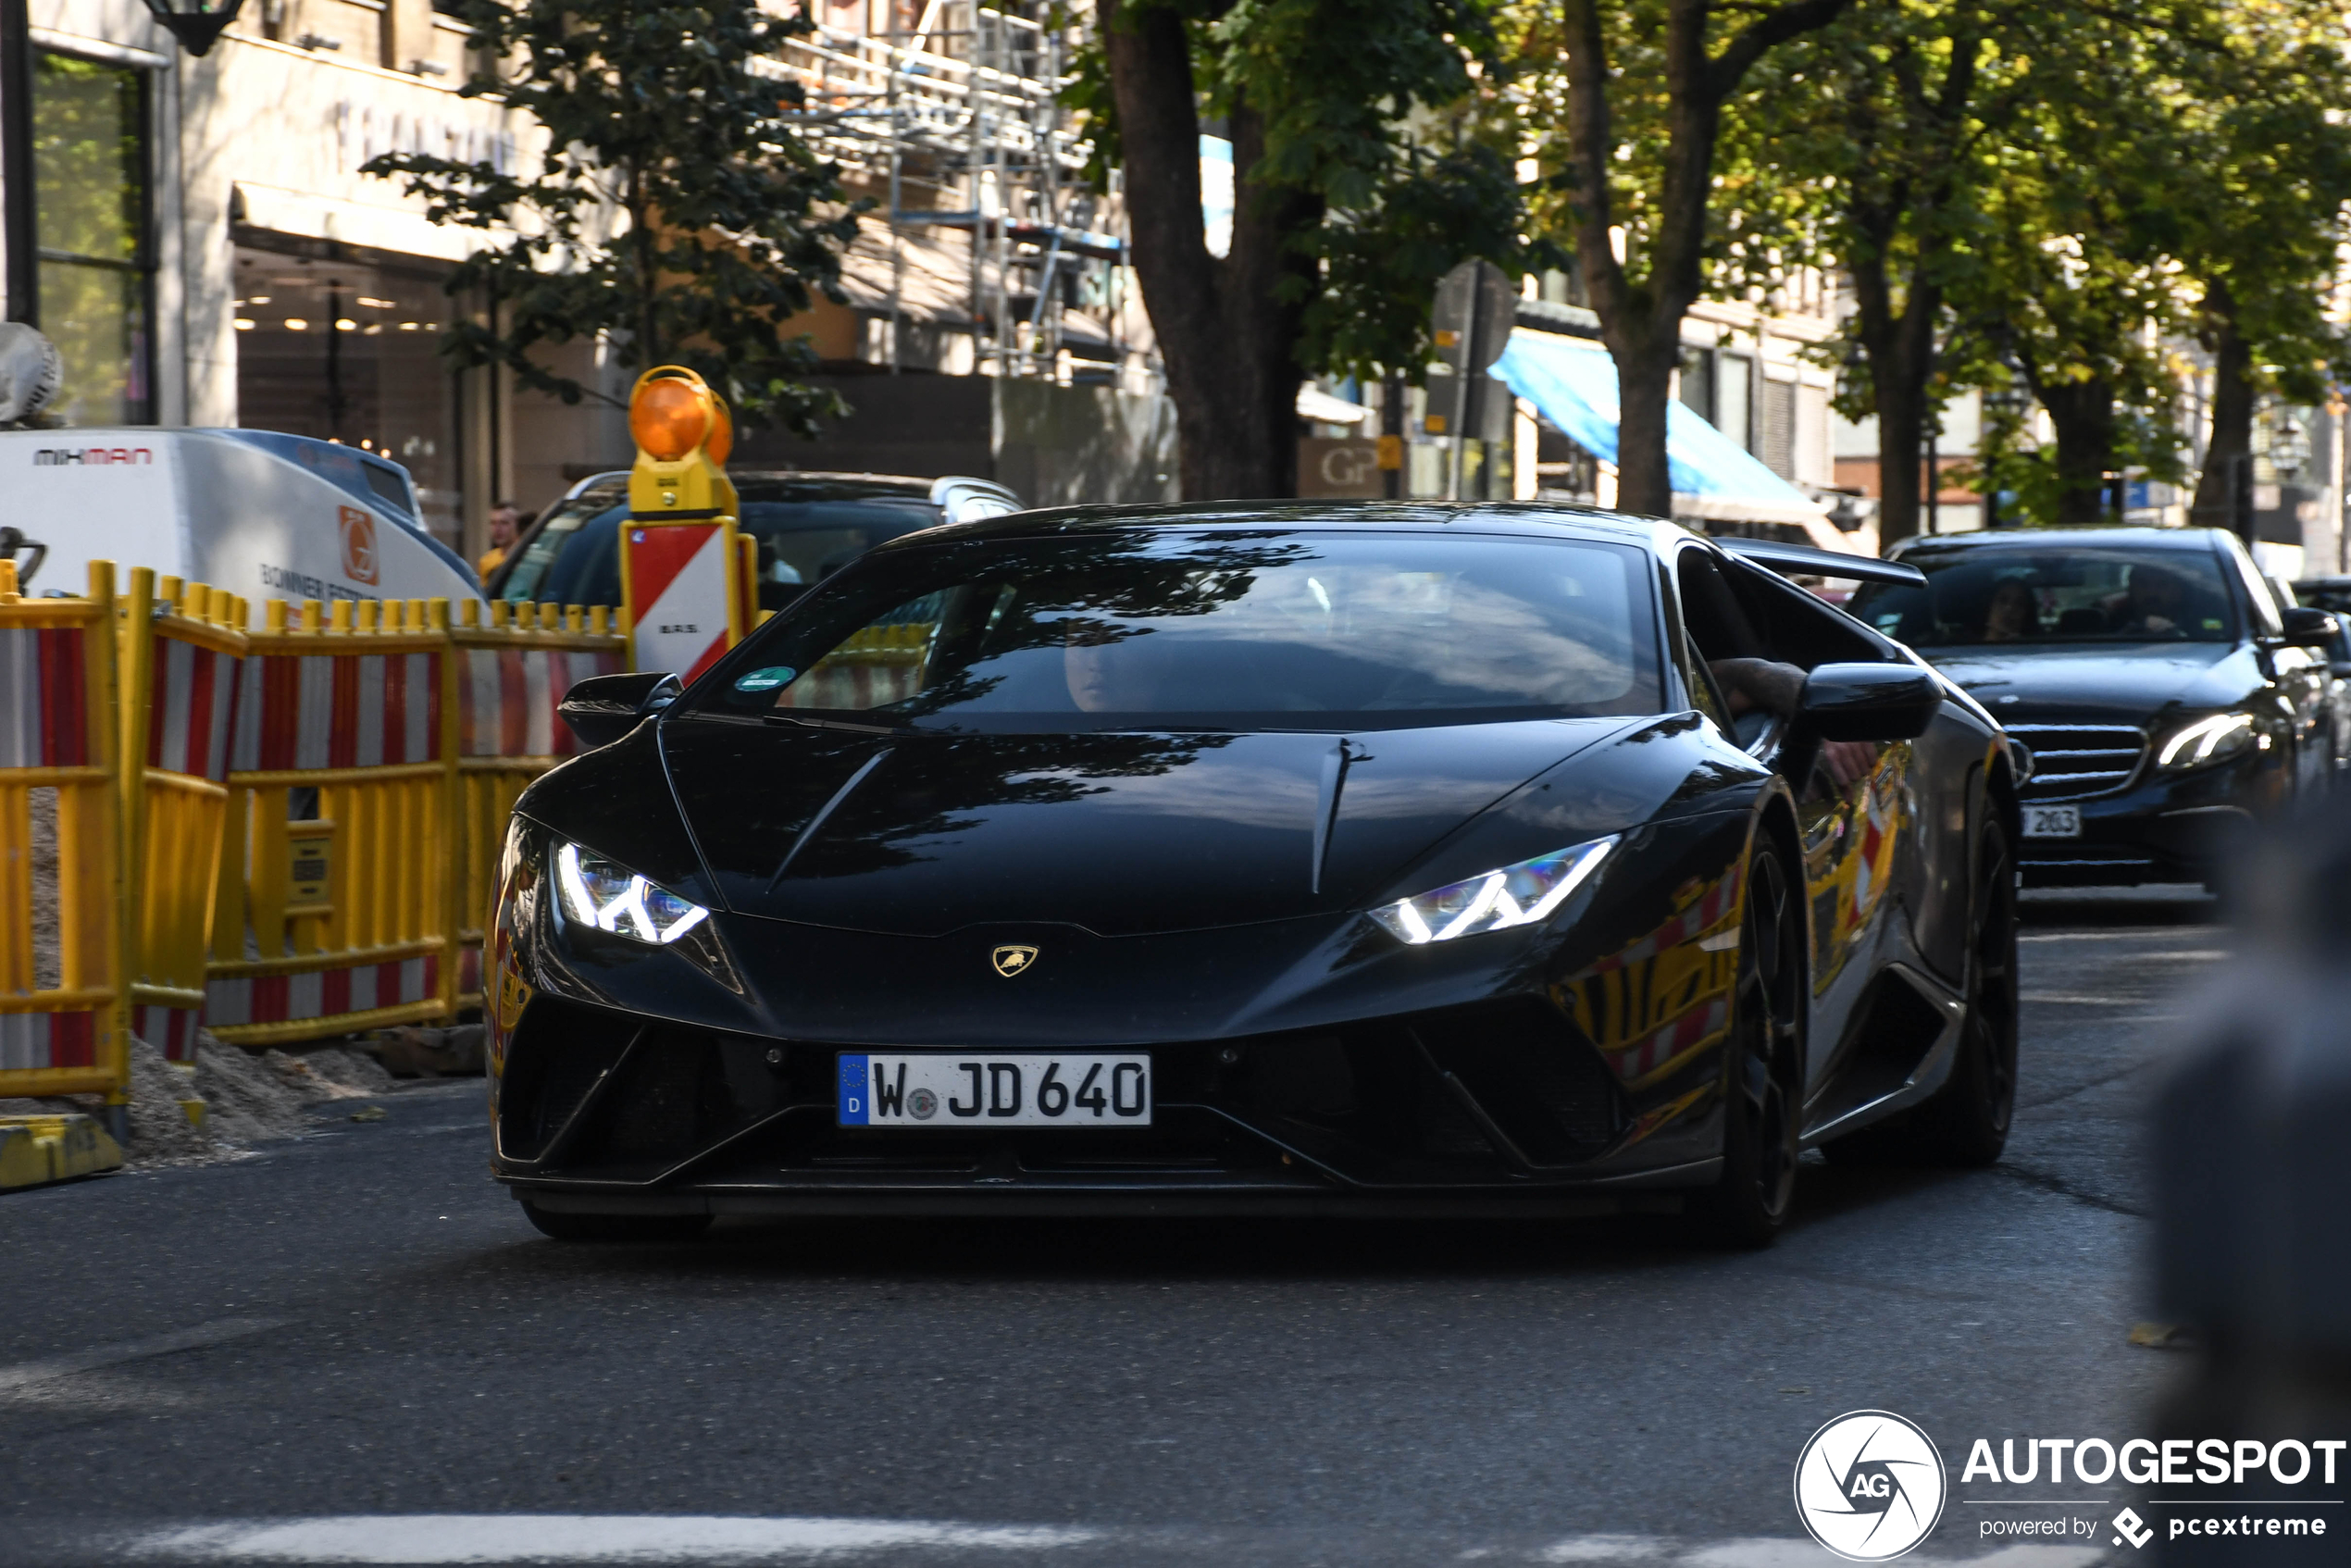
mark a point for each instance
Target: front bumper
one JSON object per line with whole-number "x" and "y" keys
{"x": 2162, "y": 827}
{"x": 1498, "y": 1104}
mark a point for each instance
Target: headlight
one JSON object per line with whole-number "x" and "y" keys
{"x": 2206, "y": 739}
{"x": 1516, "y": 895}
{"x": 610, "y": 897}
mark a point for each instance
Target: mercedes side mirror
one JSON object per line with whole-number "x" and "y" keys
{"x": 1870, "y": 702}
{"x": 2307, "y": 628}
{"x": 604, "y": 707}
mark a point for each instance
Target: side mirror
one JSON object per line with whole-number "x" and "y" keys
{"x": 604, "y": 707}
{"x": 1870, "y": 702}
{"x": 2307, "y": 628}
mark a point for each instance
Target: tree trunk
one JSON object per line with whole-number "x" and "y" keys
{"x": 1229, "y": 344}
{"x": 2084, "y": 414}
{"x": 1901, "y": 351}
{"x": 2233, "y": 399}
{"x": 1641, "y": 321}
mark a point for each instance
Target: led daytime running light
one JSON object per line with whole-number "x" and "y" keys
{"x": 2195, "y": 744}
{"x": 1496, "y": 901}
{"x": 611, "y": 898}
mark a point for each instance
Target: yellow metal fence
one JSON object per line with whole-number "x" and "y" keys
{"x": 280, "y": 833}
{"x": 62, "y": 920}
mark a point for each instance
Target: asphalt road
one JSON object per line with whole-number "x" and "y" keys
{"x": 352, "y": 1349}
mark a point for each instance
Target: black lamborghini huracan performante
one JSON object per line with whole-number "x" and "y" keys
{"x": 1267, "y": 858}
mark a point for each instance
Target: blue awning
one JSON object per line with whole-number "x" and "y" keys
{"x": 1574, "y": 386}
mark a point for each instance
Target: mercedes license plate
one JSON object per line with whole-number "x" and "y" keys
{"x": 2052, "y": 822}
{"x": 976, "y": 1089}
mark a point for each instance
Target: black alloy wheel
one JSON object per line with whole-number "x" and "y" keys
{"x": 1967, "y": 1122}
{"x": 566, "y": 1226}
{"x": 1763, "y": 1072}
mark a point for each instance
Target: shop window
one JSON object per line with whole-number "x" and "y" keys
{"x": 1779, "y": 428}
{"x": 91, "y": 214}
{"x": 350, "y": 351}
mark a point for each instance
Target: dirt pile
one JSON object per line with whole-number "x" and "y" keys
{"x": 330, "y": 1074}
{"x": 412, "y": 1053}
{"x": 246, "y": 1101}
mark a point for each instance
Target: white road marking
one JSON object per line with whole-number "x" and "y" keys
{"x": 1602, "y": 1549}
{"x": 431, "y": 1540}
{"x": 24, "y": 1374}
{"x": 574, "y": 1537}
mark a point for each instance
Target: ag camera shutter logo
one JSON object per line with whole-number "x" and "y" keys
{"x": 1869, "y": 1486}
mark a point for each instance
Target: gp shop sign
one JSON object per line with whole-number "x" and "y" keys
{"x": 359, "y": 560}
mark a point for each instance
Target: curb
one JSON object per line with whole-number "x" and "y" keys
{"x": 36, "y": 1151}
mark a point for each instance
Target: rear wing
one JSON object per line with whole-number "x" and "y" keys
{"x": 1811, "y": 561}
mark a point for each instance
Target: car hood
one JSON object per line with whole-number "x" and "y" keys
{"x": 2136, "y": 679}
{"x": 1123, "y": 834}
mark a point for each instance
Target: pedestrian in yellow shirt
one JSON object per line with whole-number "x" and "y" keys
{"x": 504, "y": 522}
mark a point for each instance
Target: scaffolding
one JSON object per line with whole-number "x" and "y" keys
{"x": 957, "y": 130}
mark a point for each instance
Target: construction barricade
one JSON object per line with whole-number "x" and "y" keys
{"x": 181, "y": 648}
{"x": 278, "y": 834}
{"x": 62, "y": 913}
{"x": 337, "y": 909}
{"x": 512, "y": 674}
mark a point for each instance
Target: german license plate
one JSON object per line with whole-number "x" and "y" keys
{"x": 2052, "y": 822}
{"x": 973, "y": 1089}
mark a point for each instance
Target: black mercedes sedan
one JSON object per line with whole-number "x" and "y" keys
{"x": 1271, "y": 858}
{"x": 2164, "y": 699}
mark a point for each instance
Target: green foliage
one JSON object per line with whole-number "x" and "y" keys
{"x": 1362, "y": 104}
{"x": 2115, "y": 180}
{"x": 674, "y": 211}
{"x": 1756, "y": 224}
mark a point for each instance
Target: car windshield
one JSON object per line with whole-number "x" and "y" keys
{"x": 2026, "y": 593}
{"x": 800, "y": 543}
{"x": 563, "y": 520}
{"x": 1274, "y": 629}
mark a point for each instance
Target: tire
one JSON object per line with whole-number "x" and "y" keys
{"x": 1763, "y": 1068}
{"x": 1965, "y": 1125}
{"x": 564, "y": 1226}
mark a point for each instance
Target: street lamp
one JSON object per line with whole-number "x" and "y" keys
{"x": 197, "y": 23}
{"x": 2290, "y": 450}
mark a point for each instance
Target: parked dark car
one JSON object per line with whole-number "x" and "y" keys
{"x": 1263, "y": 858}
{"x": 2334, "y": 594}
{"x": 808, "y": 525}
{"x": 2165, "y": 700}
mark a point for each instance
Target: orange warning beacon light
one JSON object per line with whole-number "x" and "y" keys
{"x": 683, "y": 433}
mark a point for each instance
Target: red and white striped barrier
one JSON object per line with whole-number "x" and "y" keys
{"x": 321, "y": 993}
{"x": 679, "y": 580}
{"x": 39, "y": 1041}
{"x": 507, "y": 698}
{"x": 42, "y": 722}
{"x": 172, "y": 1031}
{"x": 350, "y": 710}
{"x": 192, "y": 711}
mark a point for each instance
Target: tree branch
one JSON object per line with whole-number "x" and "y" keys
{"x": 1775, "y": 27}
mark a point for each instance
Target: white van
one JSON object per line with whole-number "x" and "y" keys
{"x": 262, "y": 515}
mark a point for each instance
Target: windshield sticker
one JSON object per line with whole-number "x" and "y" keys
{"x": 765, "y": 680}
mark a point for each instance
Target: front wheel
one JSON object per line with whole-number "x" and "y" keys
{"x": 563, "y": 1225}
{"x": 1967, "y": 1123}
{"x": 1763, "y": 1075}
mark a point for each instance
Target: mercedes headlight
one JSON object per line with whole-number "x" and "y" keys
{"x": 1494, "y": 900}
{"x": 2215, "y": 739}
{"x": 610, "y": 897}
